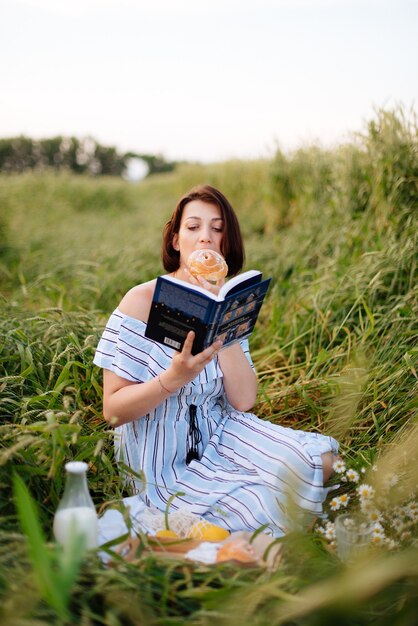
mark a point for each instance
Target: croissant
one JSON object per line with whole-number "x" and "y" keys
{"x": 207, "y": 263}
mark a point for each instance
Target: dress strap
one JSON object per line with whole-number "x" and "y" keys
{"x": 194, "y": 436}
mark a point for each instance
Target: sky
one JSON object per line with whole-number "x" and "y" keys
{"x": 205, "y": 80}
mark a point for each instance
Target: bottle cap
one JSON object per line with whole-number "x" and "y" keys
{"x": 76, "y": 467}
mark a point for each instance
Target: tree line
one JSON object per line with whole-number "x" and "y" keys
{"x": 82, "y": 156}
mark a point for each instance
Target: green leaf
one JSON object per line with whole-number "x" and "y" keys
{"x": 40, "y": 557}
{"x": 169, "y": 501}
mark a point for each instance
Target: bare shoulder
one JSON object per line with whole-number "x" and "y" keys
{"x": 137, "y": 302}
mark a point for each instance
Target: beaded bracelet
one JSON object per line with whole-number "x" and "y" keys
{"x": 162, "y": 386}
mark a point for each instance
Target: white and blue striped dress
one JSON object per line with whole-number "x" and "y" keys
{"x": 249, "y": 469}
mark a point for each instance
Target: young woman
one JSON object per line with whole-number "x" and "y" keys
{"x": 184, "y": 421}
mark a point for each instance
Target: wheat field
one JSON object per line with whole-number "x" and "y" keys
{"x": 335, "y": 351}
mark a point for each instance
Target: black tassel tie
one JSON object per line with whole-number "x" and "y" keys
{"x": 194, "y": 436}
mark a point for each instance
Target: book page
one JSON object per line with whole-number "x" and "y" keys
{"x": 232, "y": 283}
{"x": 238, "y": 281}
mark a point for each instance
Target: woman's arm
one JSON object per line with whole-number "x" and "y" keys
{"x": 125, "y": 401}
{"x": 240, "y": 381}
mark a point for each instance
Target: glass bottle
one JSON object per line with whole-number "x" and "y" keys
{"x": 76, "y": 515}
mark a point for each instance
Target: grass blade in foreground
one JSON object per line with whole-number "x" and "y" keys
{"x": 54, "y": 577}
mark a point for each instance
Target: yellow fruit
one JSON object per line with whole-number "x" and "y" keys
{"x": 207, "y": 531}
{"x": 167, "y": 533}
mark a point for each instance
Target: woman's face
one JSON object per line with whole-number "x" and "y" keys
{"x": 201, "y": 227}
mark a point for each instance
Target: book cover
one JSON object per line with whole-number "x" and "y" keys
{"x": 179, "y": 307}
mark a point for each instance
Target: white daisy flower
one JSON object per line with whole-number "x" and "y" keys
{"x": 374, "y": 515}
{"x": 365, "y": 491}
{"x": 406, "y": 535}
{"x": 335, "y": 504}
{"x": 329, "y": 535}
{"x": 391, "y": 544}
{"x": 344, "y": 499}
{"x": 330, "y": 531}
{"x": 411, "y": 514}
{"x": 397, "y": 524}
{"x": 392, "y": 480}
{"x": 377, "y": 528}
{"x": 411, "y": 511}
{"x": 378, "y": 539}
{"x": 352, "y": 476}
{"x": 339, "y": 466}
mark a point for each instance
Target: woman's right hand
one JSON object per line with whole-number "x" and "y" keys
{"x": 185, "y": 366}
{"x": 125, "y": 401}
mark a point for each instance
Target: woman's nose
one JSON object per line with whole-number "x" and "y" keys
{"x": 205, "y": 235}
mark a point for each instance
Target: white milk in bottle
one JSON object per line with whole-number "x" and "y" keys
{"x": 76, "y": 515}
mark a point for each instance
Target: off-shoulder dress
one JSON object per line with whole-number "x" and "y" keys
{"x": 248, "y": 471}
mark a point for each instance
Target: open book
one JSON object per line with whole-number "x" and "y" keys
{"x": 179, "y": 307}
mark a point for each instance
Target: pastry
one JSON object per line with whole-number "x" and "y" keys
{"x": 236, "y": 550}
{"x": 208, "y": 264}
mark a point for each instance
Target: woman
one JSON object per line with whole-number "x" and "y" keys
{"x": 183, "y": 420}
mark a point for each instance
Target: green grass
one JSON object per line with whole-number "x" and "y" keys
{"x": 335, "y": 350}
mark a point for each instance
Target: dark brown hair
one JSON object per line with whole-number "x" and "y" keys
{"x": 232, "y": 246}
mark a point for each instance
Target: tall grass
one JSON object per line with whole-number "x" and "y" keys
{"x": 335, "y": 351}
